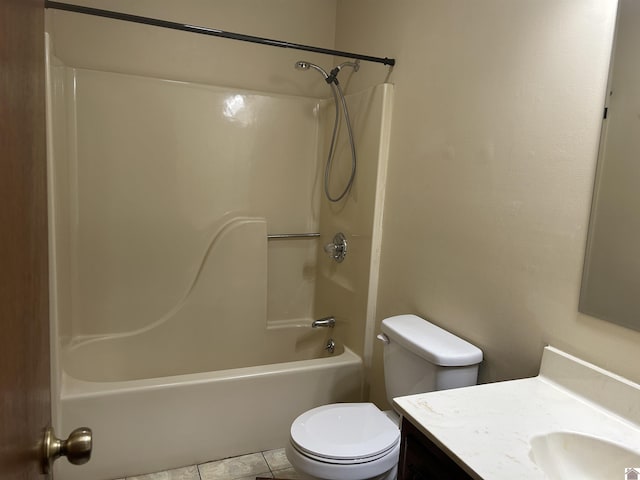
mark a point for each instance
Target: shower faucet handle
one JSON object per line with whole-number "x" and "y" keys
{"x": 337, "y": 249}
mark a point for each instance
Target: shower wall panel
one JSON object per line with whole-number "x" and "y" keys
{"x": 348, "y": 290}
{"x": 153, "y": 172}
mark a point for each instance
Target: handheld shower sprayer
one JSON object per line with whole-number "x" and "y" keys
{"x": 332, "y": 80}
{"x": 302, "y": 65}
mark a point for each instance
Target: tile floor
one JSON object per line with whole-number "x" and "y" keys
{"x": 270, "y": 464}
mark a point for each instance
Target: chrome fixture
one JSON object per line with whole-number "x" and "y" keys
{"x": 330, "y": 346}
{"x": 383, "y": 338}
{"x": 337, "y": 249}
{"x": 77, "y": 448}
{"x": 302, "y": 65}
{"x": 329, "y": 77}
{"x": 329, "y": 322}
{"x": 332, "y": 80}
{"x": 276, "y": 236}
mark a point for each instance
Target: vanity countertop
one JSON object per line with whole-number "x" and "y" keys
{"x": 487, "y": 429}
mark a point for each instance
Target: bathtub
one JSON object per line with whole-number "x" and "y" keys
{"x": 147, "y": 425}
{"x": 209, "y": 379}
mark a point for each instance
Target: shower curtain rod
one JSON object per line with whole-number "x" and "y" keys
{"x": 210, "y": 31}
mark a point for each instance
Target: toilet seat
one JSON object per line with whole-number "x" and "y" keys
{"x": 344, "y": 433}
{"x": 384, "y": 468}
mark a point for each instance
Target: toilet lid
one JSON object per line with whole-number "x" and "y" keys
{"x": 344, "y": 431}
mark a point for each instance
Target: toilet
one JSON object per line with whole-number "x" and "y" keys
{"x": 358, "y": 441}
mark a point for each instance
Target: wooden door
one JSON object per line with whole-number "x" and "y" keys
{"x": 24, "y": 316}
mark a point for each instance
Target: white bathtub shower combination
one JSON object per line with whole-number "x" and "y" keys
{"x": 181, "y": 333}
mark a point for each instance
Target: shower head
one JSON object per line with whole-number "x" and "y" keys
{"x": 302, "y": 65}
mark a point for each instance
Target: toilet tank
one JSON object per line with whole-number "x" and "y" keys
{"x": 421, "y": 357}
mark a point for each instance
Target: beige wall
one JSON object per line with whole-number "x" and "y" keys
{"x": 92, "y": 42}
{"x": 493, "y": 148}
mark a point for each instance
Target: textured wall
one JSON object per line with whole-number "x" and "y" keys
{"x": 117, "y": 46}
{"x": 493, "y": 149}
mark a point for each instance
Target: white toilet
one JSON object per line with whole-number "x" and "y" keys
{"x": 357, "y": 441}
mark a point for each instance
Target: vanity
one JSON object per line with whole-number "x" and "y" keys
{"x": 574, "y": 420}
{"x": 421, "y": 458}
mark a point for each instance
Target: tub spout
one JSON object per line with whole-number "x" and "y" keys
{"x": 324, "y": 322}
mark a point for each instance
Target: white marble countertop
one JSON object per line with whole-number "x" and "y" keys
{"x": 487, "y": 428}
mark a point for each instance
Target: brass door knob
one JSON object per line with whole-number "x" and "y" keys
{"x": 77, "y": 448}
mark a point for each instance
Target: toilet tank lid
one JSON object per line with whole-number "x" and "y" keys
{"x": 430, "y": 341}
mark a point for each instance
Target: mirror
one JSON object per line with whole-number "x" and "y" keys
{"x": 611, "y": 277}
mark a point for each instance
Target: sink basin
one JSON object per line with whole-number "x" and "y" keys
{"x": 567, "y": 455}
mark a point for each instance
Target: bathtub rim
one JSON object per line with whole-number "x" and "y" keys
{"x": 73, "y": 388}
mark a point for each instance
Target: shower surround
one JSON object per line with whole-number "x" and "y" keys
{"x": 172, "y": 311}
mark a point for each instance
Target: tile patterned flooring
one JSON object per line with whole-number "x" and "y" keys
{"x": 270, "y": 464}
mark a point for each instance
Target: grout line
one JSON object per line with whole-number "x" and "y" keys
{"x": 199, "y": 472}
{"x": 267, "y": 462}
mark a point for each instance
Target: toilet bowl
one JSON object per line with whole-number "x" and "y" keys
{"x": 358, "y": 441}
{"x": 344, "y": 441}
